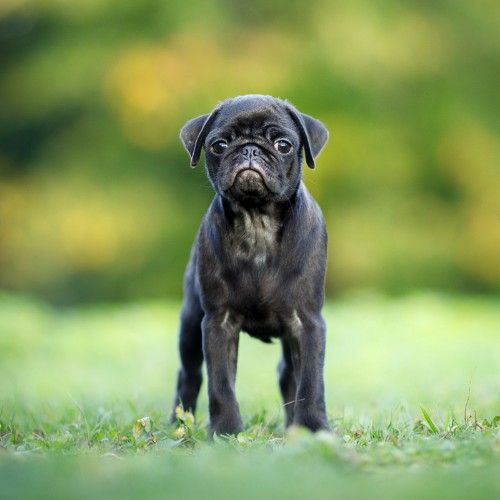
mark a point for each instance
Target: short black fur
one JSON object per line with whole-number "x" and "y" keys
{"x": 258, "y": 263}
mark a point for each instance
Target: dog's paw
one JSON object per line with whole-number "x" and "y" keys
{"x": 231, "y": 424}
{"x": 315, "y": 421}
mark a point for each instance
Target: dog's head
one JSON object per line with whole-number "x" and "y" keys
{"x": 253, "y": 147}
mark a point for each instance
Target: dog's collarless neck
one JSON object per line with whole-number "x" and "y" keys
{"x": 235, "y": 211}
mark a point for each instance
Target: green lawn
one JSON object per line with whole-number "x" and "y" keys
{"x": 412, "y": 387}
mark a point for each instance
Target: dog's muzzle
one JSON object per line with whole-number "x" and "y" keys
{"x": 249, "y": 182}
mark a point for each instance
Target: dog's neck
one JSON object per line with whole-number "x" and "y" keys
{"x": 256, "y": 226}
{"x": 255, "y": 212}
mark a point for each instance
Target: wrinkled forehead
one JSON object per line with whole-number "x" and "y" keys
{"x": 251, "y": 113}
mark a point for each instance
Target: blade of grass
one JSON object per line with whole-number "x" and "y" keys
{"x": 433, "y": 427}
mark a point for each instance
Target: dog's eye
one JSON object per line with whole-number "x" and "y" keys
{"x": 218, "y": 147}
{"x": 283, "y": 146}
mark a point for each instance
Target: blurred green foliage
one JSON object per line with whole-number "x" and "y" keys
{"x": 97, "y": 200}
{"x": 382, "y": 353}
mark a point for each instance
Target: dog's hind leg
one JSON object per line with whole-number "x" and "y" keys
{"x": 191, "y": 355}
{"x": 287, "y": 381}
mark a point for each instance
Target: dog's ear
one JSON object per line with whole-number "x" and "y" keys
{"x": 193, "y": 135}
{"x": 314, "y": 135}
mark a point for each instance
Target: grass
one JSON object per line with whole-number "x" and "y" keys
{"x": 412, "y": 387}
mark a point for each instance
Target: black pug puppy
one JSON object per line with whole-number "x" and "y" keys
{"x": 258, "y": 263}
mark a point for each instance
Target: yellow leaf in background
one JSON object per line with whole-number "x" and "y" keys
{"x": 141, "y": 426}
{"x": 184, "y": 416}
{"x": 179, "y": 433}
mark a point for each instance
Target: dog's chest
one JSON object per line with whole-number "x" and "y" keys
{"x": 256, "y": 241}
{"x": 255, "y": 274}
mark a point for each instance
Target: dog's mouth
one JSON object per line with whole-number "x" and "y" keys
{"x": 249, "y": 183}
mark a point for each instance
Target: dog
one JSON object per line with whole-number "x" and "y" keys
{"x": 258, "y": 263}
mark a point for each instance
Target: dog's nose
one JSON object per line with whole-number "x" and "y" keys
{"x": 250, "y": 150}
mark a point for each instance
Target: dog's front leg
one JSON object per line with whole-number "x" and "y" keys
{"x": 220, "y": 347}
{"x": 307, "y": 345}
